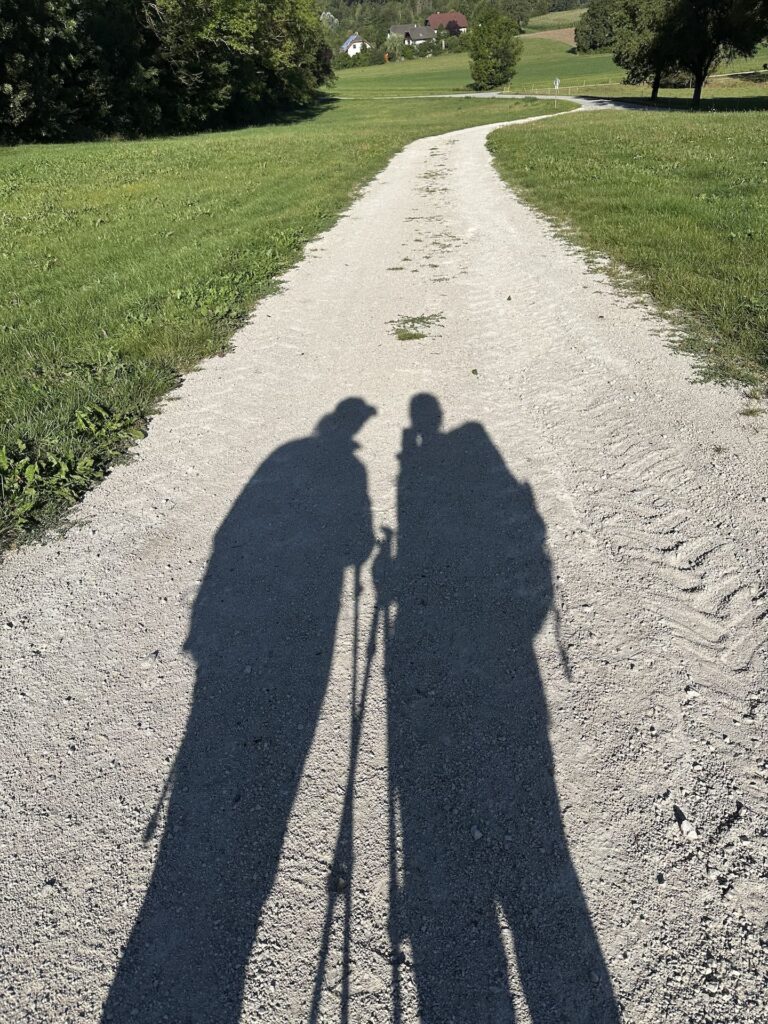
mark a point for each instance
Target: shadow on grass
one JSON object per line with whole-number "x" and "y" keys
{"x": 295, "y": 115}
{"x": 709, "y": 104}
{"x": 269, "y": 117}
{"x": 321, "y": 103}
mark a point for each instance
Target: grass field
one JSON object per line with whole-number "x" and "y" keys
{"x": 542, "y": 61}
{"x": 679, "y": 202}
{"x": 122, "y": 264}
{"x": 555, "y": 19}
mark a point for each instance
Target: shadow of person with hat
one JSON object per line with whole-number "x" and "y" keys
{"x": 262, "y": 635}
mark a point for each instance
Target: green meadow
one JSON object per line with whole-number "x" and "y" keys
{"x": 123, "y": 264}
{"x": 542, "y": 61}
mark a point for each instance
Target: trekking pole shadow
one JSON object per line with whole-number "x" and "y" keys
{"x": 342, "y": 864}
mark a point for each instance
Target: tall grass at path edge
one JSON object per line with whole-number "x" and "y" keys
{"x": 678, "y": 201}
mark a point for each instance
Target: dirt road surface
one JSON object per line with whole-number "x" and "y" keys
{"x": 557, "y": 749}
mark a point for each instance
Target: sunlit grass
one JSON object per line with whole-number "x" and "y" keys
{"x": 543, "y": 60}
{"x": 554, "y": 20}
{"x": 679, "y": 201}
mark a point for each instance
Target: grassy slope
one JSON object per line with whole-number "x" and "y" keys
{"x": 680, "y": 200}
{"x": 447, "y": 73}
{"x": 543, "y": 60}
{"x": 555, "y": 19}
{"x": 124, "y": 263}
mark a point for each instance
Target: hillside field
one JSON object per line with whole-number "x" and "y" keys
{"x": 542, "y": 61}
{"x": 555, "y": 20}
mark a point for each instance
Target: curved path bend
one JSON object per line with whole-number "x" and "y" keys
{"x": 558, "y": 750}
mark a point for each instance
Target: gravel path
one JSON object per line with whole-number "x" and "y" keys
{"x": 558, "y": 746}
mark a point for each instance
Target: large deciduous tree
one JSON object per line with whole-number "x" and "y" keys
{"x": 701, "y": 33}
{"x": 70, "y": 67}
{"x": 225, "y": 60}
{"x": 34, "y": 47}
{"x": 87, "y": 68}
{"x": 494, "y": 48}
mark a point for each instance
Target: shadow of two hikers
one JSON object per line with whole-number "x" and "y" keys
{"x": 470, "y": 763}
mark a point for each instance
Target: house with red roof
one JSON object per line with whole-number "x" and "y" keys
{"x": 454, "y": 22}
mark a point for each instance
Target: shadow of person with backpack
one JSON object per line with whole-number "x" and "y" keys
{"x": 262, "y": 633}
{"x": 483, "y": 847}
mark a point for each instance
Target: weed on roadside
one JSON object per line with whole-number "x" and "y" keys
{"x": 414, "y": 328}
{"x": 39, "y": 480}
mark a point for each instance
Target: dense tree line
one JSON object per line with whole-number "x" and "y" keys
{"x": 72, "y": 69}
{"x": 658, "y": 40}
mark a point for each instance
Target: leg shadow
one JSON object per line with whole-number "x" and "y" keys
{"x": 484, "y": 852}
{"x": 262, "y": 634}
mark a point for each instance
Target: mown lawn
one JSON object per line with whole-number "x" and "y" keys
{"x": 122, "y": 264}
{"x": 543, "y": 60}
{"x": 679, "y": 202}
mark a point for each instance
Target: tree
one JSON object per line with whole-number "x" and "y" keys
{"x": 34, "y": 50}
{"x": 242, "y": 56}
{"x": 518, "y": 10}
{"x": 701, "y": 33}
{"x": 642, "y": 46}
{"x": 74, "y": 69}
{"x": 596, "y": 29}
{"x": 654, "y": 37}
{"x": 494, "y": 48}
{"x": 71, "y": 68}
